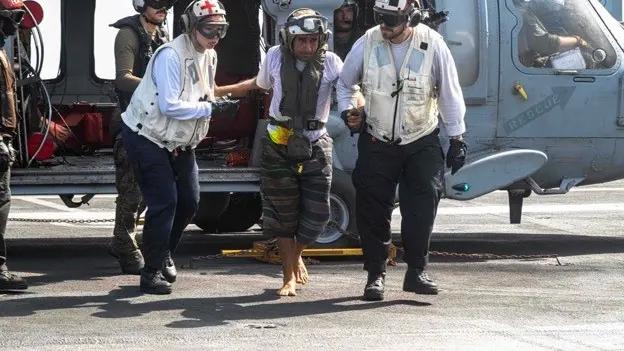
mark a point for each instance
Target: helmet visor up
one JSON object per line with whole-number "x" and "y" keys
{"x": 307, "y": 25}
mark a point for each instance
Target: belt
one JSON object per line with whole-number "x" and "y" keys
{"x": 311, "y": 124}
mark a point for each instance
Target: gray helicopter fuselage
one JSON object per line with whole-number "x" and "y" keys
{"x": 572, "y": 113}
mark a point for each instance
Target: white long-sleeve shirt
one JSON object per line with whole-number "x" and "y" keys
{"x": 450, "y": 101}
{"x": 269, "y": 77}
{"x": 166, "y": 76}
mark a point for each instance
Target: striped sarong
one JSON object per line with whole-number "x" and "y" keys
{"x": 295, "y": 196}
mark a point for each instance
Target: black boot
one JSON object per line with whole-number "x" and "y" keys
{"x": 130, "y": 262}
{"x": 417, "y": 281}
{"x": 153, "y": 282}
{"x": 10, "y": 281}
{"x": 169, "y": 269}
{"x": 374, "y": 290}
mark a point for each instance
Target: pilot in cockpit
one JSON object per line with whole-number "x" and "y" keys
{"x": 543, "y": 39}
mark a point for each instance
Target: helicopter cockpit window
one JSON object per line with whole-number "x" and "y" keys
{"x": 562, "y": 34}
{"x": 106, "y": 13}
{"x": 45, "y": 51}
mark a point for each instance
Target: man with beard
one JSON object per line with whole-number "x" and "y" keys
{"x": 168, "y": 116}
{"x": 11, "y": 14}
{"x": 408, "y": 77}
{"x": 138, "y": 38}
{"x": 296, "y": 166}
{"x": 346, "y": 30}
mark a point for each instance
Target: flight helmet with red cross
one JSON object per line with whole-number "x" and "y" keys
{"x": 199, "y": 10}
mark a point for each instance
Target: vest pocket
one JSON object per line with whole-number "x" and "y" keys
{"x": 415, "y": 93}
{"x": 416, "y": 98}
{"x": 380, "y": 112}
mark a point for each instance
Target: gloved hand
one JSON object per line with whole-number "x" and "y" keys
{"x": 5, "y": 157}
{"x": 225, "y": 107}
{"x": 456, "y": 155}
{"x": 354, "y": 119}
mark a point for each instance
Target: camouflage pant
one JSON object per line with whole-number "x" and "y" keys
{"x": 129, "y": 204}
{"x": 295, "y": 196}
{"x": 5, "y": 205}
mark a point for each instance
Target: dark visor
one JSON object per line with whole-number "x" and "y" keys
{"x": 389, "y": 18}
{"x": 159, "y": 4}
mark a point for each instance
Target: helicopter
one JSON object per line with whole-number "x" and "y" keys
{"x": 539, "y": 127}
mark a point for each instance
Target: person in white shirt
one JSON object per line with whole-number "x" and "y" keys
{"x": 168, "y": 116}
{"x": 296, "y": 167}
{"x": 408, "y": 78}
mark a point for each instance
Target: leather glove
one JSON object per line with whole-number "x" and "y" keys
{"x": 225, "y": 107}
{"x": 354, "y": 119}
{"x": 12, "y": 153}
{"x": 456, "y": 155}
{"x": 5, "y": 157}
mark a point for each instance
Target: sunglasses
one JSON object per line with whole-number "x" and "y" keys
{"x": 213, "y": 30}
{"x": 15, "y": 16}
{"x": 389, "y": 19}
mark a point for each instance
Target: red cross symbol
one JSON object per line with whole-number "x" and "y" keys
{"x": 209, "y": 6}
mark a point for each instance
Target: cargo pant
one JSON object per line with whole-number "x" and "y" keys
{"x": 169, "y": 183}
{"x": 129, "y": 203}
{"x": 295, "y": 196}
{"x": 418, "y": 170}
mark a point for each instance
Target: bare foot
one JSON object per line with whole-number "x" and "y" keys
{"x": 287, "y": 290}
{"x": 290, "y": 282}
{"x": 289, "y": 259}
{"x": 301, "y": 272}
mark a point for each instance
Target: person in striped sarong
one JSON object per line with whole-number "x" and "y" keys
{"x": 295, "y": 189}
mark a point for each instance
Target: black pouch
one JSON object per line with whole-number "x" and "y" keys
{"x": 299, "y": 147}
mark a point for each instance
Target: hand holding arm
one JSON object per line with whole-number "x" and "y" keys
{"x": 355, "y": 119}
{"x": 239, "y": 89}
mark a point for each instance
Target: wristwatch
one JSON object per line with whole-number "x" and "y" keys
{"x": 457, "y": 137}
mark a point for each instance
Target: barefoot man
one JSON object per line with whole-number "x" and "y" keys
{"x": 297, "y": 151}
